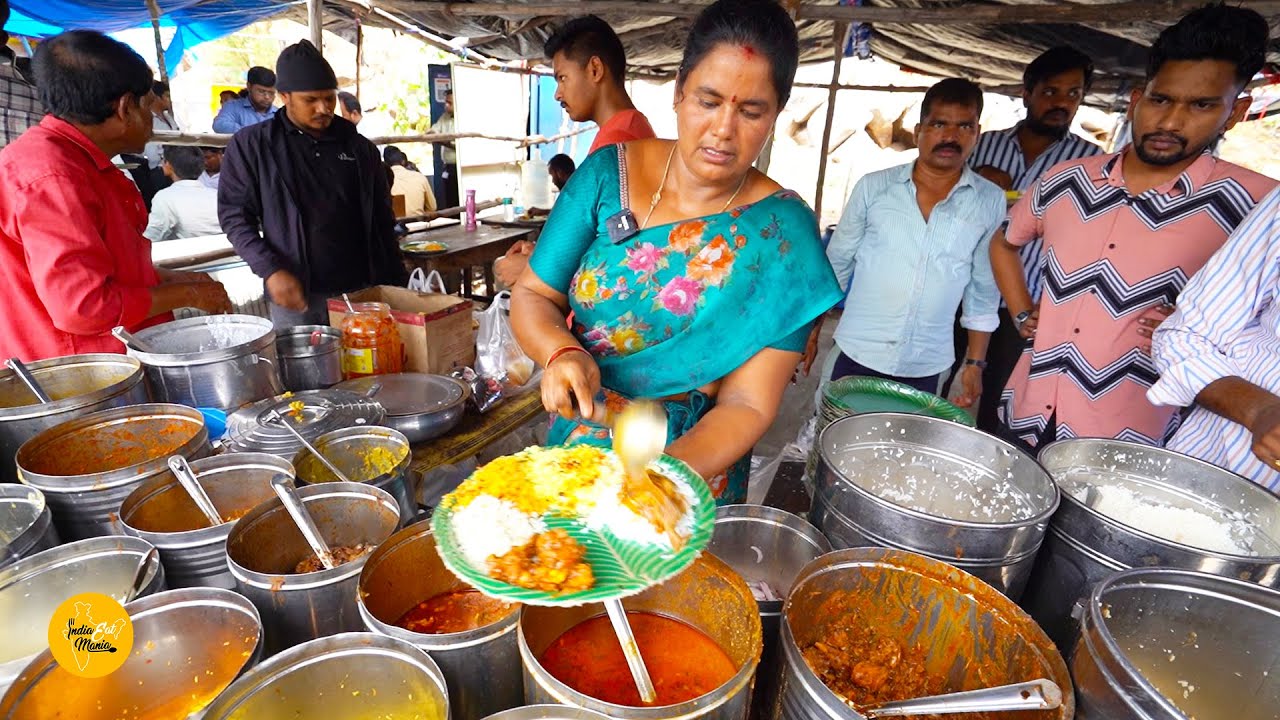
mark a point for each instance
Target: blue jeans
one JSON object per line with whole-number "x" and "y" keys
{"x": 845, "y": 366}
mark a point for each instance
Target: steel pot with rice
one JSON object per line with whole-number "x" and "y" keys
{"x": 212, "y": 361}
{"x": 406, "y": 592}
{"x": 87, "y": 467}
{"x": 937, "y": 488}
{"x": 1126, "y": 505}
{"x": 698, "y": 632}
{"x": 77, "y": 384}
{"x": 870, "y": 625}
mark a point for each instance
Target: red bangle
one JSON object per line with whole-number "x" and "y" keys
{"x": 558, "y": 352}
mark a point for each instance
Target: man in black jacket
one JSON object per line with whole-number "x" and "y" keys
{"x": 304, "y": 199}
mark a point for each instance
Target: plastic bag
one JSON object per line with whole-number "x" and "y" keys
{"x": 420, "y": 281}
{"x": 485, "y": 392}
{"x": 498, "y": 355}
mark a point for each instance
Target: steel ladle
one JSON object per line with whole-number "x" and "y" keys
{"x": 283, "y": 488}
{"x": 28, "y": 379}
{"x": 274, "y": 417}
{"x": 1034, "y": 695}
{"x": 187, "y": 479}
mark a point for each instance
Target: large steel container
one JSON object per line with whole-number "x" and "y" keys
{"x": 1084, "y": 545}
{"x": 310, "y": 357}
{"x": 547, "y": 712}
{"x": 161, "y": 512}
{"x": 213, "y": 361}
{"x": 188, "y": 646}
{"x": 86, "y": 467}
{"x": 378, "y": 456}
{"x": 353, "y": 676}
{"x": 708, "y": 596}
{"x": 77, "y": 384}
{"x": 1163, "y": 644}
{"x": 768, "y": 548}
{"x": 937, "y": 488}
{"x": 482, "y": 666}
{"x": 971, "y": 635}
{"x": 265, "y": 547}
{"x": 26, "y": 523}
{"x": 32, "y": 588}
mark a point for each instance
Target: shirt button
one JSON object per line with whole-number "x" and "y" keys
{"x": 1112, "y": 246}
{"x": 1076, "y": 331}
{"x": 1048, "y": 407}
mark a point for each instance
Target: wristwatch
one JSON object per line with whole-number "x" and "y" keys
{"x": 980, "y": 364}
{"x": 1021, "y": 318}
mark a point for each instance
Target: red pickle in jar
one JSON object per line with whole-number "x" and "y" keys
{"x": 370, "y": 342}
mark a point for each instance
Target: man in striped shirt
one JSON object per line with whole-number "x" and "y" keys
{"x": 1221, "y": 351}
{"x": 1123, "y": 233}
{"x": 1053, "y": 86}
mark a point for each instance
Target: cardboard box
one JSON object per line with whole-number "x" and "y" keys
{"x": 436, "y": 330}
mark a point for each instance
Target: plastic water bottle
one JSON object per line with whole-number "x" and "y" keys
{"x": 508, "y": 210}
{"x": 471, "y": 211}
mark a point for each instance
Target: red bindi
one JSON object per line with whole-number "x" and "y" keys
{"x": 748, "y": 51}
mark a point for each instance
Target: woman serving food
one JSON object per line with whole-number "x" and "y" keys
{"x": 692, "y": 277}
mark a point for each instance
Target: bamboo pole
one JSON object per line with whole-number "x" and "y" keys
{"x": 838, "y": 40}
{"x": 155, "y": 29}
{"x": 359, "y": 53}
{"x": 315, "y": 23}
{"x": 221, "y": 139}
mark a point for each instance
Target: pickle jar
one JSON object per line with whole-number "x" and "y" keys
{"x": 370, "y": 341}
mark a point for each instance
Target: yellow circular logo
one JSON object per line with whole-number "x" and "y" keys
{"x": 90, "y": 635}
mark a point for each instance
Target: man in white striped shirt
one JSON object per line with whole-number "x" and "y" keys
{"x": 1053, "y": 87}
{"x": 1221, "y": 351}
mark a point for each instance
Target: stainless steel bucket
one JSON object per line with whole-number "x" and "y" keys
{"x": 481, "y": 667}
{"x": 32, "y": 588}
{"x": 1084, "y": 545}
{"x": 214, "y": 361}
{"x": 365, "y": 454}
{"x": 769, "y": 547}
{"x": 310, "y": 357}
{"x": 971, "y": 635}
{"x": 937, "y": 488}
{"x": 26, "y": 523}
{"x": 1163, "y": 644}
{"x": 86, "y": 467}
{"x": 547, "y": 712}
{"x": 708, "y": 596}
{"x": 265, "y": 546}
{"x": 161, "y": 512}
{"x": 78, "y": 385}
{"x": 188, "y": 645}
{"x": 353, "y": 676}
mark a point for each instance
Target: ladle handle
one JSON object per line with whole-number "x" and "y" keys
{"x": 187, "y": 479}
{"x": 293, "y": 504}
{"x": 639, "y": 673}
{"x": 140, "y": 575}
{"x": 25, "y": 376}
{"x": 275, "y": 417}
{"x": 1034, "y": 695}
{"x": 129, "y": 340}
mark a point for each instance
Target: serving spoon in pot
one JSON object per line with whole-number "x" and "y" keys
{"x": 1034, "y": 695}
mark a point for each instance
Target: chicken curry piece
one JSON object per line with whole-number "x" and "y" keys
{"x": 552, "y": 562}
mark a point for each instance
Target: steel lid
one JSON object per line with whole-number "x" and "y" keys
{"x": 411, "y": 393}
{"x": 322, "y": 411}
{"x": 204, "y": 339}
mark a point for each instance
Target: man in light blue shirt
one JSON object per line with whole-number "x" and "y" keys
{"x": 912, "y": 246}
{"x": 258, "y": 105}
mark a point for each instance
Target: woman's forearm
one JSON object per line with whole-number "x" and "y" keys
{"x": 720, "y": 438}
{"x": 538, "y": 324}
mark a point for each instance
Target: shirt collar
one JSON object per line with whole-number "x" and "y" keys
{"x": 967, "y": 175}
{"x": 72, "y": 133}
{"x": 338, "y": 130}
{"x": 1188, "y": 181}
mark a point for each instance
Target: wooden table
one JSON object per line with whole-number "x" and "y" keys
{"x": 477, "y": 432}
{"x": 535, "y": 225}
{"x": 467, "y": 250}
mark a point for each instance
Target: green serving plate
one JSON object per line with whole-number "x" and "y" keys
{"x": 425, "y": 247}
{"x": 855, "y": 395}
{"x": 621, "y": 567}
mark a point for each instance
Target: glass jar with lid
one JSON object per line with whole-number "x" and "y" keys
{"x": 370, "y": 341}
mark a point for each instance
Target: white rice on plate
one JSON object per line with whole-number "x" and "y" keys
{"x": 488, "y": 526}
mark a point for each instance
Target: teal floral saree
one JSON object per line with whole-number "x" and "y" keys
{"x": 676, "y": 307}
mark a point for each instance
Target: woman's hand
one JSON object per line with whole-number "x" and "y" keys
{"x": 572, "y": 375}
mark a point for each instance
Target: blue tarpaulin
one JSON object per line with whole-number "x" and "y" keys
{"x": 194, "y": 21}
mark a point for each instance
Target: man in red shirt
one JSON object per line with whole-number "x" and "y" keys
{"x": 73, "y": 260}
{"x": 590, "y": 67}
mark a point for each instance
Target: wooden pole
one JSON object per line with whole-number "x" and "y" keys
{"x": 315, "y": 23}
{"x": 155, "y": 29}
{"x": 1113, "y": 13}
{"x": 359, "y": 53}
{"x": 838, "y": 39}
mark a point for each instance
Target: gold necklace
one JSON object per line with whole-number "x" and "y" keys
{"x": 657, "y": 195}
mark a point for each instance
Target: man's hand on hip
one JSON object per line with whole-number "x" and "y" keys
{"x": 285, "y": 291}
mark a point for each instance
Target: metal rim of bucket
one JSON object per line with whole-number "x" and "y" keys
{"x": 286, "y": 348}
{"x": 548, "y": 712}
{"x": 429, "y": 642}
{"x": 373, "y": 432}
{"x": 306, "y": 581}
{"x": 109, "y": 479}
{"x": 817, "y": 691}
{"x": 131, "y": 380}
{"x": 205, "y": 469}
{"x": 343, "y": 645}
{"x": 30, "y": 534}
{"x": 1115, "y": 657}
{"x": 79, "y": 549}
{"x": 1040, "y": 517}
{"x": 1114, "y": 524}
{"x": 207, "y": 357}
{"x": 791, "y": 522}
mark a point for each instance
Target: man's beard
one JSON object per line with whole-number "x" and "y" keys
{"x": 1039, "y": 127}
{"x": 1167, "y": 159}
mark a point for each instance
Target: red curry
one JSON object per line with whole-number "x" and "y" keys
{"x": 454, "y": 611}
{"x": 683, "y": 662}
